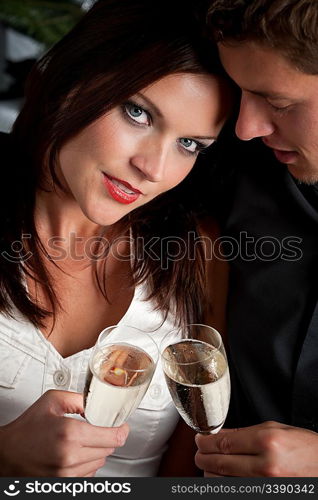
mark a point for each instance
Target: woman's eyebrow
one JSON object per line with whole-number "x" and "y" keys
{"x": 150, "y": 103}
{"x": 204, "y": 137}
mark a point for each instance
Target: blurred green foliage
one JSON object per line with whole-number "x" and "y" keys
{"x": 45, "y": 21}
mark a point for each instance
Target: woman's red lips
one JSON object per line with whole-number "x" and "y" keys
{"x": 129, "y": 186}
{"x": 119, "y": 190}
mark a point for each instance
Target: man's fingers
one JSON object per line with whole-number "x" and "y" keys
{"x": 227, "y": 442}
{"x": 242, "y": 441}
{"x": 227, "y": 465}
{"x": 222, "y": 442}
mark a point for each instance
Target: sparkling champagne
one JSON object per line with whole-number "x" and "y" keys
{"x": 117, "y": 379}
{"x": 198, "y": 378}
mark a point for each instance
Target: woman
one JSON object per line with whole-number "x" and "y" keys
{"x": 115, "y": 116}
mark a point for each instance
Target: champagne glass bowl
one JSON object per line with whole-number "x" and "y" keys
{"x": 197, "y": 375}
{"x": 120, "y": 370}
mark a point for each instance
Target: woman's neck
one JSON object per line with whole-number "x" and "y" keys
{"x": 68, "y": 236}
{"x": 58, "y": 215}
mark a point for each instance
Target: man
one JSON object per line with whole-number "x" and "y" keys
{"x": 269, "y": 48}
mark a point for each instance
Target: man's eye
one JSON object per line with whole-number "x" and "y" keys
{"x": 136, "y": 113}
{"x": 279, "y": 109}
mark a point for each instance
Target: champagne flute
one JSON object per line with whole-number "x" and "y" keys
{"x": 197, "y": 375}
{"x": 120, "y": 370}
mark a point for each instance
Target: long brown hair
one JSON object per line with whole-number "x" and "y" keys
{"x": 117, "y": 48}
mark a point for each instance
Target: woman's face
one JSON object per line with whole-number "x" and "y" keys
{"x": 144, "y": 147}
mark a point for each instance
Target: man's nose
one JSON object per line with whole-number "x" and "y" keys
{"x": 253, "y": 120}
{"x": 151, "y": 160}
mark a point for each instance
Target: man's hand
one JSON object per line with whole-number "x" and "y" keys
{"x": 43, "y": 442}
{"x": 269, "y": 449}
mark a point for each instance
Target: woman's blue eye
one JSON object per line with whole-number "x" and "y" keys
{"x": 189, "y": 144}
{"x": 136, "y": 113}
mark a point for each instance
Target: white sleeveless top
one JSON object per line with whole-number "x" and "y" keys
{"x": 30, "y": 365}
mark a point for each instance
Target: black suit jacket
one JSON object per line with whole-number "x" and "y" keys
{"x": 273, "y": 293}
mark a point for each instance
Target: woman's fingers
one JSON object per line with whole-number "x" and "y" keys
{"x": 103, "y": 437}
{"x": 82, "y": 470}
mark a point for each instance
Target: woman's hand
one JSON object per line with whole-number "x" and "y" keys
{"x": 269, "y": 449}
{"x": 43, "y": 442}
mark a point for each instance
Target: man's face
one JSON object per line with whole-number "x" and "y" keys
{"x": 279, "y": 104}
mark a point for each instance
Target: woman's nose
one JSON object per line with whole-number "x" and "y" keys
{"x": 253, "y": 120}
{"x": 151, "y": 160}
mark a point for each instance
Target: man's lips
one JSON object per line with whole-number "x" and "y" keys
{"x": 119, "y": 190}
{"x": 282, "y": 155}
